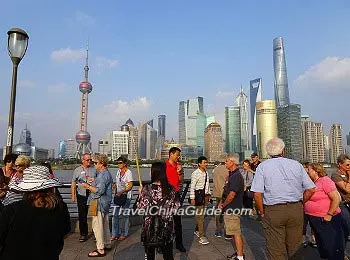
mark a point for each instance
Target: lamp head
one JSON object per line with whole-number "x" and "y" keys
{"x": 17, "y": 44}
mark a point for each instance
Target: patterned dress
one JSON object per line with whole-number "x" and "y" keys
{"x": 151, "y": 195}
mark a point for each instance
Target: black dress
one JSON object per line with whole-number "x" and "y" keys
{"x": 27, "y": 232}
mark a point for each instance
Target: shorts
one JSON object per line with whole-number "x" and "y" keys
{"x": 232, "y": 224}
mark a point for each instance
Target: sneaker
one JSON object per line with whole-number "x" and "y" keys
{"x": 230, "y": 257}
{"x": 196, "y": 233}
{"x": 203, "y": 241}
{"x": 83, "y": 238}
{"x": 218, "y": 234}
{"x": 236, "y": 258}
{"x": 227, "y": 237}
{"x": 145, "y": 256}
{"x": 348, "y": 238}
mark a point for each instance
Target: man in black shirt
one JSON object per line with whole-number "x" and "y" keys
{"x": 255, "y": 161}
{"x": 232, "y": 204}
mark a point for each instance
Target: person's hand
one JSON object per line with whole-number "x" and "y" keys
{"x": 193, "y": 202}
{"x": 73, "y": 198}
{"x": 118, "y": 194}
{"x": 85, "y": 185}
{"x": 90, "y": 180}
{"x": 327, "y": 218}
{"x": 179, "y": 168}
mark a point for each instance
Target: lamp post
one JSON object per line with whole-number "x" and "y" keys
{"x": 17, "y": 43}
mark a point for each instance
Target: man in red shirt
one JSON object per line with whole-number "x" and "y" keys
{"x": 175, "y": 176}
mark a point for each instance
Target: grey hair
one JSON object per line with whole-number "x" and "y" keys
{"x": 341, "y": 158}
{"x": 23, "y": 160}
{"x": 233, "y": 157}
{"x": 275, "y": 146}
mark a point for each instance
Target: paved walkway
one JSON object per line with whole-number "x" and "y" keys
{"x": 218, "y": 249}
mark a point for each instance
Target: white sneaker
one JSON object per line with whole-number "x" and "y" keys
{"x": 203, "y": 241}
{"x": 196, "y": 233}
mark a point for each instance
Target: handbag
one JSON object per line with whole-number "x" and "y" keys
{"x": 120, "y": 200}
{"x": 93, "y": 209}
{"x": 199, "y": 195}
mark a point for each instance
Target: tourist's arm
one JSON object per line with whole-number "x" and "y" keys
{"x": 180, "y": 173}
{"x": 228, "y": 199}
{"x": 258, "y": 197}
{"x": 194, "y": 181}
{"x": 335, "y": 201}
{"x": 73, "y": 188}
{"x": 308, "y": 194}
{"x": 344, "y": 186}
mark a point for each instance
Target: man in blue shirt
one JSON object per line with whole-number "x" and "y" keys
{"x": 280, "y": 186}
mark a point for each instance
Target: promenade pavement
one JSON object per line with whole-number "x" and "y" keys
{"x": 218, "y": 249}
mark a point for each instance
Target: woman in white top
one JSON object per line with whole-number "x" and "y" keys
{"x": 122, "y": 188}
{"x": 248, "y": 175}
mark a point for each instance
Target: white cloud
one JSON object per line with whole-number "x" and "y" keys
{"x": 26, "y": 84}
{"x": 332, "y": 73}
{"x": 67, "y": 54}
{"x": 224, "y": 94}
{"x": 84, "y": 18}
{"x": 57, "y": 88}
{"x": 103, "y": 63}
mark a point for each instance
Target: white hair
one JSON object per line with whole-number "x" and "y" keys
{"x": 275, "y": 146}
{"x": 233, "y": 157}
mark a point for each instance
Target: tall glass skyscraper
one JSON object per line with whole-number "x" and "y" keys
{"x": 161, "y": 125}
{"x": 289, "y": 129}
{"x": 233, "y": 129}
{"x": 280, "y": 72}
{"x": 255, "y": 96}
{"x": 242, "y": 103}
{"x": 26, "y": 137}
{"x": 188, "y": 111}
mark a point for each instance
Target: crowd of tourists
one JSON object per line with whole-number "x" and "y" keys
{"x": 285, "y": 195}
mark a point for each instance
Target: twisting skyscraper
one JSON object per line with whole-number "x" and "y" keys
{"x": 83, "y": 137}
{"x": 280, "y": 72}
{"x": 255, "y": 96}
{"x": 242, "y": 103}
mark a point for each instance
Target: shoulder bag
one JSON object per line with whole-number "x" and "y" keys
{"x": 119, "y": 200}
{"x": 199, "y": 195}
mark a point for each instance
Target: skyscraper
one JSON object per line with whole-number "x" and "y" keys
{"x": 83, "y": 137}
{"x": 133, "y": 140}
{"x": 202, "y": 122}
{"x": 233, "y": 129}
{"x": 336, "y": 144}
{"x": 255, "y": 96}
{"x": 289, "y": 130}
{"x": 26, "y": 137}
{"x": 242, "y": 103}
{"x": 188, "y": 111}
{"x": 119, "y": 143}
{"x": 280, "y": 72}
{"x": 266, "y": 124}
{"x": 213, "y": 142}
{"x": 147, "y": 140}
{"x": 161, "y": 125}
{"x": 312, "y": 141}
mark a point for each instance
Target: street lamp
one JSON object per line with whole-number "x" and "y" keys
{"x": 17, "y": 44}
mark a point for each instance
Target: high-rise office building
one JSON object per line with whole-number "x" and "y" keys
{"x": 71, "y": 147}
{"x": 119, "y": 144}
{"x": 336, "y": 144}
{"x": 347, "y": 148}
{"x": 161, "y": 125}
{"x": 312, "y": 140}
{"x": 188, "y": 111}
{"x": 327, "y": 150}
{"x": 62, "y": 149}
{"x": 255, "y": 96}
{"x": 233, "y": 129}
{"x": 213, "y": 142}
{"x": 280, "y": 73}
{"x": 202, "y": 122}
{"x": 289, "y": 130}
{"x": 266, "y": 124}
{"x": 26, "y": 137}
{"x": 147, "y": 140}
{"x": 242, "y": 103}
{"x": 133, "y": 140}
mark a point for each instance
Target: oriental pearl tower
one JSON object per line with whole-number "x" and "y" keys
{"x": 83, "y": 137}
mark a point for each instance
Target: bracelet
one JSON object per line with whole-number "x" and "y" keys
{"x": 330, "y": 214}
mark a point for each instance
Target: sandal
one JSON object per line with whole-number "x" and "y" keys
{"x": 98, "y": 254}
{"x": 121, "y": 238}
{"x": 114, "y": 238}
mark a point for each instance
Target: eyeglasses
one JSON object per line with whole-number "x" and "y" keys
{"x": 88, "y": 160}
{"x": 95, "y": 162}
{"x": 348, "y": 164}
{"x": 119, "y": 162}
{"x": 18, "y": 165}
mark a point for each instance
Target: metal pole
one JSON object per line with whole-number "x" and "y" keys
{"x": 9, "y": 142}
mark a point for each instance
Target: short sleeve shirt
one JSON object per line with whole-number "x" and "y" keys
{"x": 234, "y": 183}
{"x": 337, "y": 177}
{"x": 81, "y": 174}
{"x": 122, "y": 181}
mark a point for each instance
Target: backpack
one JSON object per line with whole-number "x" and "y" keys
{"x": 157, "y": 234}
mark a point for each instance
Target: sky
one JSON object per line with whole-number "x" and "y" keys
{"x": 146, "y": 56}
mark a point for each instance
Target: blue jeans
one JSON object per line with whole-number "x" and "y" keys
{"x": 329, "y": 236}
{"x": 345, "y": 215}
{"x": 124, "y": 221}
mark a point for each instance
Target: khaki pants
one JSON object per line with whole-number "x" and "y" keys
{"x": 283, "y": 229}
{"x": 220, "y": 218}
{"x": 100, "y": 226}
{"x": 200, "y": 217}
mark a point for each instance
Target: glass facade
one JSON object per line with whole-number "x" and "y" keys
{"x": 280, "y": 72}
{"x": 233, "y": 129}
{"x": 255, "y": 96}
{"x": 242, "y": 102}
{"x": 161, "y": 125}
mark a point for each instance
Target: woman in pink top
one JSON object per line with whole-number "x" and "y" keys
{"x": 322, "y": 211}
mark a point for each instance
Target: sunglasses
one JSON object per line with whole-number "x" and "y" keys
{"x": 119, "y": 162}
{"x": 88, "y": 160}
{"x": 95, "y": 162}
{"x": 18, "y": 165}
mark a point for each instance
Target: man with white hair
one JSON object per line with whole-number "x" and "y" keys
{"x": 232, "y": 204}
{"x": 280, "y": 187}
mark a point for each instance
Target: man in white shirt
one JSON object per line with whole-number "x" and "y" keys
{"x": 200, "y": 184}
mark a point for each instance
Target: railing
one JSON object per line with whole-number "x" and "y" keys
{"x": 65, "y": 191}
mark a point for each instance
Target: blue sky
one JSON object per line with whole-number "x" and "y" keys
{"x": 146, "y": 56}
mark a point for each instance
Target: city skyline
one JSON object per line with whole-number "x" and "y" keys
{"x": 185, "y": 53}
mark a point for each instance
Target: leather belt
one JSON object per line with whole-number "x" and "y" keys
{"x": 284, "y": 203}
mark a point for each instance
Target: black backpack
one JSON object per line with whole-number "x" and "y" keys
{"x": 157, "y": 234}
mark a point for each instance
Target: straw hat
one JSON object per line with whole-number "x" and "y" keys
{"x": 35, "y": 178}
